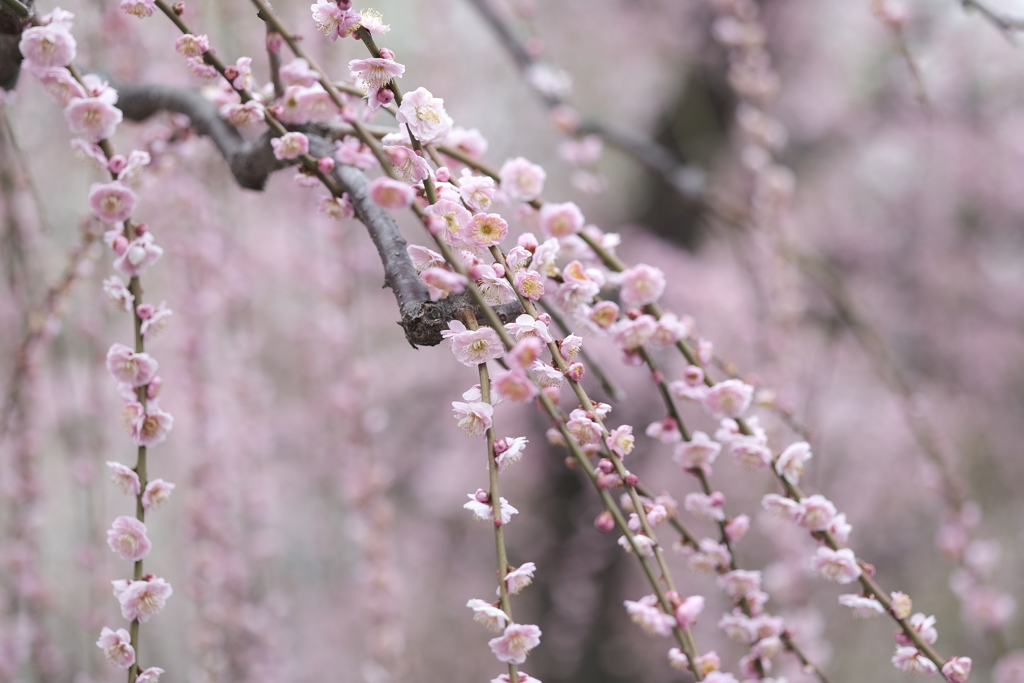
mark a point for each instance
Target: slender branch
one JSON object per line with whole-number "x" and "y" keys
{"x": 1007, "y": 25}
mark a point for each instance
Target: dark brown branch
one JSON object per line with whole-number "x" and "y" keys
{"x": 251, "y": 163}
{"x": 13, "y": 18}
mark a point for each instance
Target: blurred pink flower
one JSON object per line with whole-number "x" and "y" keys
{"x": 142, "y": 599}
{"x": 134, "y": 369}
{"x": 839, "y": 566}
{"x": 124, "y": 478}
{"x": 647, "y": 614}
{"x": 642, "y": 285}
{"x": 116, "y": 646}
{"x": 111, "y": 202}
{"x": 46, "y": 46}
{"x": 516, "y": 642}
{"x": 156, "y": 494}
{"x": 487, "y": 614}
{"x": 92, "y": 118}
{"x": 127, "y": 538}
{"x": 522, "y": 180}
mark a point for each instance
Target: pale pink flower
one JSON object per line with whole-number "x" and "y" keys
{"x": 604, "y": 314}
{"x": 494, "y": 288}
{"x": 957, "y": 669}
{"x": 60, "y": 84}
{"x": 423, "y": 258}
{"x": 670, "y": 330}
{"x": 642, "y": 285}
{"x": 780, "y": 506}
{"x": 630, "y": 335}
{"x": 703, "y": 506}
{"x": 738, "y": 626}
{"x": 710, "y": 556}
{"x": 739, "y": 583}
{"x": 582, "y": 427}
{"x": 526, "y": 351}
{"x": 688, "y": 611}
{"x": 132, "y": 171}
{"x": 316, "y": 104}
{"x": 290, "y": 146}
{"x": 548, "y": 376}
{"x": 486, "y": 230}
{"x": 244, "y": 80}
{"x": 350, "y": 150}
{"x": 443, "y": 281}
{"x": 477, "y": 191}
{"x": 374, "y": 74}
{"x": 127, "y": 538}
{"x": 509, "y": 451}
{"x": 474, "y": 418}
{"x": 456, "y": 218}
{"x": 391, "y": 193}
{"x": 118, "y": 293}
{"x": 154, "y": 325}
{"x": 620, "y": 440}
{"x": 513, "y": 385}
{"x": 474, "y": 347}
{"x": 647, "y": 614}
{"x": 529, "y": 284}
{"x": 697, "y": 453}
{"x": 925, "y": 628}
{"x": 143, "y": 599}
{"x": 518, "y": 579}
{"x": 666, "y": 431}
{"x": 192, "y": 46}
{"x": 111, "y": 202}
{"x": 816, "y": 513}
{"x": 750, "y": 452}
{"x": 148, "y": 428}
{"x": 522, "y": 180}
{"x": 527, "y": 326}
{"x": 730, "y": 398}
{"x": 839, "y": 566}
{"x": 92, "y": 118}
{"x": 425, "y": 115}
{"x": 485, "y": 511}
{"x": 737, "y": 528}
{"x": 645, "y": 544}
{"x": 515, "y": 644}
{"x": 134, "y": 369}
{"x": 150, "y": 675}
{"x": 863, "y": 608}
{"x": 245, "y": 114}
{"x": 337, "y": 207}
{"x": 910, "y": 661}
{"x": 561, "y": 220}
{"x": 902, "y": 605}
{"x": 489, "y": 615}
{"x": 373, "y": 22}
{"x": 125, "y": 478}
{"x": 790, "y": 465}
{"x": 156, "y": 494}
{"x": 46, "y": 47}
{"x": 470, "y": 142}
{"x": 988, "y": 608}
{"x": 333, "y": 21}
{"x": 117, "y": 647}
{"x": 720, "y": 677}
{"x": 200, "y": 69}
{"x": 297, "y": 72}
{"x": 138, "y": 8}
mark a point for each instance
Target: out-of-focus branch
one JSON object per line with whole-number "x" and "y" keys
{"x": 1008, "y": 25}
{"x": 13, "y": 17}
{"x": 686, "y": 180}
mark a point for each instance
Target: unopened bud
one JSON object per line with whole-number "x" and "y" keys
{"x": 632, "y": 480}
{"x": 178, "y": 8}
{"x": 117, "y": 163}
{"x": 387, "y": 54}
{"x": 604, "y": 522}
{"x": 606, "y": 466}
{"x": 385, "y": 96}
{"x": 482, "y": 496}
{"x": 325, "y": 165}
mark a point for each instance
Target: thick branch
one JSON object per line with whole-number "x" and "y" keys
{"x": 251, "y": 163}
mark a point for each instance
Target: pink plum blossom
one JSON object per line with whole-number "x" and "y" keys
{"x": 132, "y": 170}
{"x": 154, "y": 325}
{"x": 839, "y": 566}
{"x": 708, "y": 507}
{"x": 647, "y": 614}
{"x": 118, "y": 293}
{"x": 290, "y": 146}
{"x": 474, "y": 418}
{"x": 477, "y": 191}
{"x": 243, "y": 80}
{"x": 138, "y": 8}
{"x": 60, "y": 84}
{"x": 333, "y": 21}
{"x": 147, "y": 427}
{"x": 513, "y": 385}
{"x": 515, "y": 643}
{"x": 737, "y": 527}
{"x": 391, "y": 193}
{"x": 473, "y": 347}
{"x": 373, "y": 22}
{"x": 709, "y": 556}
{"x": 142, "y": 599}
{"x": 156, "y": 494}
{"x": 527, "y": 326}
{"x": 111, "y": 202}
{"x": 862, "y": 607}
{"x": 139, "y": 256}
{"x": 486, "y": 230}
{"x": 127, "y": 538}
{"x": 697, "y": 453}
{"x": 561, "y": 220}
{"x": 739, "y": 583}
{"x": 374, "y": 74}
{"x": 46, "y": 47}
{"x": 644, "y": 544}
{"x": 201, "y": 69}
{"x": 244, "y": 114}
{"x": 620, "y": 440}
{"x": 509, "y": 451}
{"x": 666, "y": 431}
{"x": 456, "y": 218}
{"x": 957, "y": 669}
{"x": 522, "y": 180}
{"x": 911, "y": 661}
{"x": 192, "y": 46}
{"x": 750, "y": 453}
{"x": 92, "y": 118}
{"x": 519, "y": 578}
{"x": 780, "y": 506}
{"x": 489, "y": 615}
{"x": 116, "y": 646}
{"x": 529, "y": 284}
{"x": 470, "y": 142}
{"x": 641, "y": 285}
{"x": 790, "y": 464}
{"x": 816, "y": 513}
{"x": 688, "y": 611}
{"x": 125, "y": 478}
{"x": 582, "y": 427}
{"x": 730, "y": 398}
{"x": 297, "y": 72}
{"x": 134, "y": 369}
{"x": 425, "y": 115}
{"x": 337, "y": 208}
{"x": 150, "y": 675}
{"x": 444, "y": 281}
{"x": 485, "y": 511}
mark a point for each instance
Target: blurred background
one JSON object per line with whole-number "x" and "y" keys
{"x": 317, "y": 526}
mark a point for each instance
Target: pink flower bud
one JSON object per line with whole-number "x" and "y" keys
{"x": 443, "y": 175}
{"x": 483, "y": 496}
{"x": 231, "y": 73}
{"x": 119, "y": 244}
{"x": 178, "y": 8}
{"x": 325, "y": 165}
{"x": 632, "y": 480}
{"x": 606, "y": 466}
{"x": 604, "y": 522}
{"x": 607, "y": 481}
{"x": 545, "y": 318}
{"x": 141, "y": 229}
{"x": 957, "y": 669}
{"x": 145, "y": 311}
{"x": 500, "y": 446}
{"x": 274, "y": 41}
{"x": 387, "y": 54}
{"x": 153, "y": 388}
{"x": 385, "y": 96}
{"x": 117, "y": 163}
{"x": 576, "y": 372}
{"x": 528, "y": 241}
{"x": 275, "y": 110}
